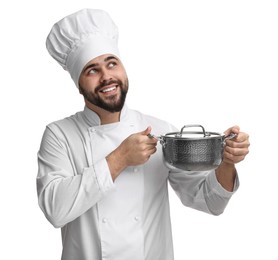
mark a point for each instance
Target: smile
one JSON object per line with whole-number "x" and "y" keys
{"x": 110, "y": 89}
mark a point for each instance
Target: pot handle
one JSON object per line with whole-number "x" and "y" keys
{"x": 186, "y": 126}
{"x": 230, "y": 136}
{"x": 159, "y": 138}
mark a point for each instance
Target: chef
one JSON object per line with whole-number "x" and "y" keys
{"x": 101, "y": 179}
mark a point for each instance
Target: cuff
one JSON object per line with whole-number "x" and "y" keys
{"x": 102, "y": 175}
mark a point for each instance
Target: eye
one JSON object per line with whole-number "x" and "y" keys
{"x": 112, "y": 64}
{"x": 92, "y": 71}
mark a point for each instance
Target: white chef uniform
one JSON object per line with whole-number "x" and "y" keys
{"x": 122, "y": 220}
{"x": 100, "y": 219}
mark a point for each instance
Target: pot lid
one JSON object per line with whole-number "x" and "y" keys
{"x": 194, "y": 134}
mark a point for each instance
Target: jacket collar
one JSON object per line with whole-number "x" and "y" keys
{"x": 93, "y": 119}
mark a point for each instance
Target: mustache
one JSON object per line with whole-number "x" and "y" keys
{"x": 107, "y": 83}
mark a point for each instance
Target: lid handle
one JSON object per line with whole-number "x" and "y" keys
{"x": 186, "y": 126}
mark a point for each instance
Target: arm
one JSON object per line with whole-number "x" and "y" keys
{"x": 200, "y": 191}
{"x": 65, "y": 191}
{"x": 210, "y": 191}
{"x": 234, "y": 152}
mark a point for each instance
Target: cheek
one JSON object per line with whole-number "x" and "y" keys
{"x": 123, "y": 77}
{"x": 87, "y": 84}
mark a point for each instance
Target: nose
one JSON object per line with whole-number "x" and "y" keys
{"x": 105, "y": 76}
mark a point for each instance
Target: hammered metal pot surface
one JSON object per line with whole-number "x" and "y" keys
{"x": 193, "y": 155}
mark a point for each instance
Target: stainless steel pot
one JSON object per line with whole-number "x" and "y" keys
{"x": 193, "y": 150}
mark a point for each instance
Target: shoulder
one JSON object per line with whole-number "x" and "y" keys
{"x": 67, "y": 126}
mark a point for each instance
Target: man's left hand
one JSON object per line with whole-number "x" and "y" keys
{"x": 237, "y": 148}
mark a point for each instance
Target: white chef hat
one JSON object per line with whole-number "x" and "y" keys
{"x": 81, "y": 37}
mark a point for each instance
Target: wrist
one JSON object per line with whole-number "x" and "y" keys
{"x": 226, "y": 175}
{"x": 116, "y": 163}
{"x": 227, "y": 166}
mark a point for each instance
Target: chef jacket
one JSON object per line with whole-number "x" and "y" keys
{"x": 128, "y": 219}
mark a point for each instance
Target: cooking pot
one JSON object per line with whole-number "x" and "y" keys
{"x": 193, "y": 150}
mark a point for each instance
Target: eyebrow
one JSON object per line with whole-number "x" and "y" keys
{"x": 96, "y": 64}
{"x": 110, "y": 58}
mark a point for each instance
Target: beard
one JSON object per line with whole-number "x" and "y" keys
{"x": 112, "y": 103}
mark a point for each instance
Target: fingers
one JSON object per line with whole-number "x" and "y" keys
{"x": 147, "y": 131}
{"x": 138, "y": 147}
{"x": 237, "y": 148}
{"x": 149, "y": 152}
{"x": 234, "y": 129}
{"x": 146, "y": 138}
{"x": 240, "y": 141}
{"x": 235, "y": 155}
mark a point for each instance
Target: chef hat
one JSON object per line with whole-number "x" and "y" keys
{"x": 81, "y": 37}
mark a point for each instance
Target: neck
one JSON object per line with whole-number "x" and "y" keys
{"x": 105, "y": 116}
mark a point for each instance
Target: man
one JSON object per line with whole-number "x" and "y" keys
{"x": 101, "y": 177}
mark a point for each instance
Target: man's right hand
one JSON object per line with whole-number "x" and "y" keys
{"x": 134, "y": 150}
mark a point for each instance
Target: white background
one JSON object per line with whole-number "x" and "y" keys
{"x": 208, "y": 62}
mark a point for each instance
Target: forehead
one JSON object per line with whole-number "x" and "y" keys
{"x": 102, "y": 59}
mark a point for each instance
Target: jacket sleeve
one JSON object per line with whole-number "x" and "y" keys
{"x": 201, "y": 191}
{"x": 63, "y": 193}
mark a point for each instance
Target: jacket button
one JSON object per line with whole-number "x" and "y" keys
{"x": 104, "y": 220}
{"x": 137, "y": 218}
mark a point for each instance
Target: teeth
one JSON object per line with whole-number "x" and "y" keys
{"x": 108, "y": 89}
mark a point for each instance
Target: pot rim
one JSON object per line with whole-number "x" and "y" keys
{"x": 179, "y": 135}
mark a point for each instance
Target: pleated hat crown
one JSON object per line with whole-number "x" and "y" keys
{"x": 80, "y": 37}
